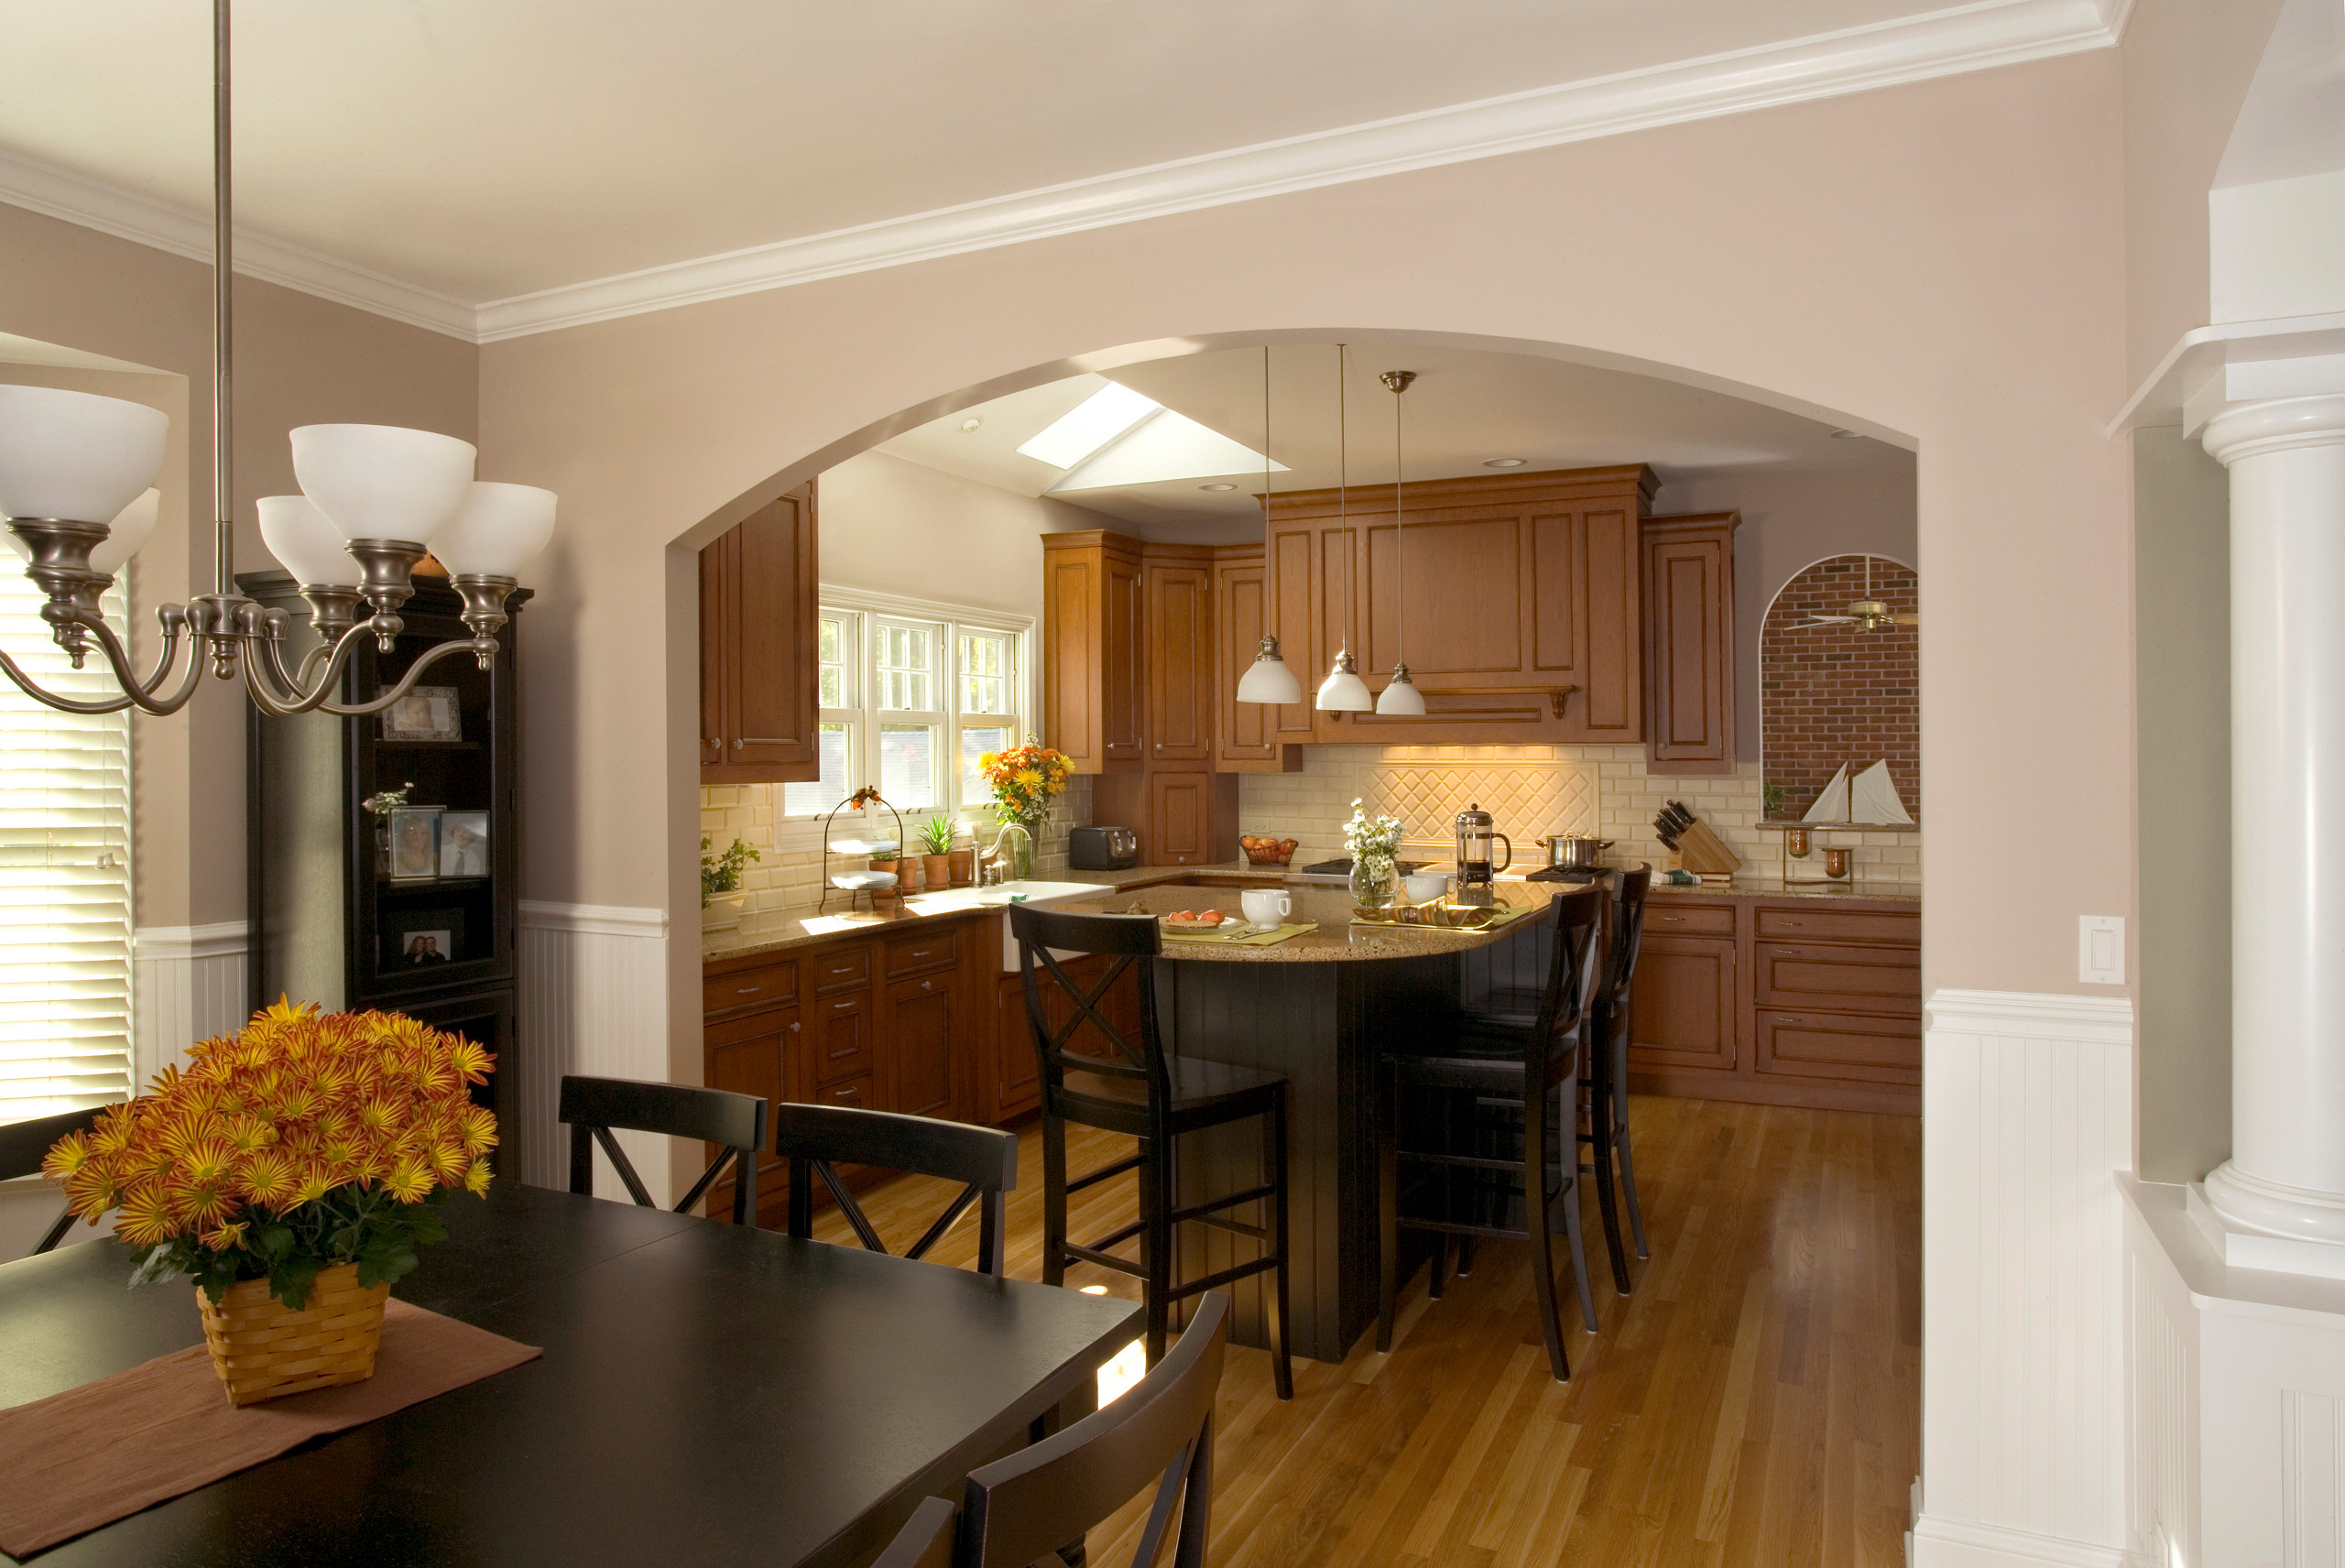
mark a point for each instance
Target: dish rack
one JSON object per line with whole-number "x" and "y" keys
{"x": 854, "y": 884}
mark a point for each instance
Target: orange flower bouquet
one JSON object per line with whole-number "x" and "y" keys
{"x": 306, "y": 1156}
{"x": 1025, "y": 780}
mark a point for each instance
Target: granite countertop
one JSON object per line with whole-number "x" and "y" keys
{"x": 1335, "y": 940}
{"x": 1775, "y": 887}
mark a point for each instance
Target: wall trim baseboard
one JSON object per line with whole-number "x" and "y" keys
{"x": 1951, "y": 1544}
{"x": 594, "y": 920}
{"x": 1979, "y": 36}
{"x": 221, "y": 939}
{"x": 2041, "y": 1014}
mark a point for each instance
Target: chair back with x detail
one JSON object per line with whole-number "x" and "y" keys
{"x": 1130, "y": 941}
{"x": 595, "y": 1107}
{"x": 1019, "y": 1510}
{"x": 23, "y": 1146}
{"x": 817, "y": 1139}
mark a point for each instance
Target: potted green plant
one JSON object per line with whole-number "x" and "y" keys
{"x": 721, "y": 897}
{"x": 936, "y": 839}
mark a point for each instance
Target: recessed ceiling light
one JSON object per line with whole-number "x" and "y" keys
{"x": 972, "y": 422}
{"x": 1504, "y": 462}
{"x": 1216, "y": 486}
{"x": 1846, "y": 435}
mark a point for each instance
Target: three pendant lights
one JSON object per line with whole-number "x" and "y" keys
{"x": 1269, "y": 680}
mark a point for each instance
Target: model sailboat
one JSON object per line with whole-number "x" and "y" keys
{"x": 1869, "y": 798}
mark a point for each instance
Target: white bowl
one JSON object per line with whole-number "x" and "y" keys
{"x": 1424, "y": 887}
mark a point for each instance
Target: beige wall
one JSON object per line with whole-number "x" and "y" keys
{"x": 300, "y": 360}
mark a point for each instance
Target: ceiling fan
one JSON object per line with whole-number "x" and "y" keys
{"x": 1867, "y": 615}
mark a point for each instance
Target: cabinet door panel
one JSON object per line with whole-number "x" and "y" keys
{"x": 1690, "y": 653}
{"x": 1179, "y": 662}
{"x": 1847, "y": 978}
{"x": 716, "y": 644}
{"x": 1839, "y": 1046}
{"x": 1185, "y": 818}
{"x": 920, "y": 1045}
{"x": 1683, "y": 1009}
{"x": 840, "y": 1045}
{"x": 1073, "y": 657}
{"x": 750, "y": 1056}
{"x": 772, "y": 694}
{"x": 1017, "y": 1086}
{"x": 1123, "y": 707}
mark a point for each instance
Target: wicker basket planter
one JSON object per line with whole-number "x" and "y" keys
{"x": 263, "y": 1350}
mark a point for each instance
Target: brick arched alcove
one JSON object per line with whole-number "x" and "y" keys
{"x": 1832, "y": 694}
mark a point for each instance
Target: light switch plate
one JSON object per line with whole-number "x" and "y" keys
{"x": 2101, "y": 948}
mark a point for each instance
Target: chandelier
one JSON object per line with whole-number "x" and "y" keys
{"x": 77, "y": 472}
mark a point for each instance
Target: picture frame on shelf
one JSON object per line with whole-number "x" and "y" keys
{"x": 425, "y": 714}
{"x": 463, "y": 845}
{"x": 421, "y": 938}
{"x": 415, "y": 843}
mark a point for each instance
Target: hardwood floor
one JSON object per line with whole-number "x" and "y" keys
{"x": 1755, "y": 1401}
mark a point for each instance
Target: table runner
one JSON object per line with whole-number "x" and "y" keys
{"x": 93, "y": 1455}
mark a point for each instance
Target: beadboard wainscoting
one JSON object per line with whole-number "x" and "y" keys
{"x": 187, "y": 983}
{"x": 2027, "y": 1107}
{"x": 594, "y": 999}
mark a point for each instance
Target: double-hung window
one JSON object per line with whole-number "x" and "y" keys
{"x": 911, "y": 695}
{"x": 64, "y": 875}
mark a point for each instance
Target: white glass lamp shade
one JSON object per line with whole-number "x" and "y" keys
{"x": 1400, "y": 697}
{"x": 380, "y": 482}
{"x": 133, "y": 525}
{"x": 130, "y": 529}
{"x": 1344, "y": 692}
{"x": 1269, "y": 679}
{"x": 498, "y": 531}
{"x": 75, "y": 456}
{"x": 309, "y": 546}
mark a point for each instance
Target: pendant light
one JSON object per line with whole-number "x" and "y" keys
{"x": 1400, "y": 698}
{"x": 1344, "y": 692}
{"x": 1268, "y": 678}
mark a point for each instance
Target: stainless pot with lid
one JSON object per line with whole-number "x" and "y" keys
{"x": 1575, "y": 851}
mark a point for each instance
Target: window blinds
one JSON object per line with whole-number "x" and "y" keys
{"x": 64, "y": 875}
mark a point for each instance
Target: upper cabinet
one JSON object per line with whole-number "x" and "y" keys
{"x": 1516, "y": 601}
{"x": 1247, "y": 736}
{"x": 1176, "y": 583}
{"x": 1690, "y": 645}
{"x": 1093, "y": 667}
{"x": 758, "y": 609}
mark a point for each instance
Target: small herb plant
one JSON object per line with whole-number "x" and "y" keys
{"x": 936, "y": 835}
{"x": 1771, "y": 797}
{"x": 722, "y": 873}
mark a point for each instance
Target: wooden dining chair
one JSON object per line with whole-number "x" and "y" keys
{"x": 596, "y": 1108}
{"x": 817, "y": 1139}
{"x": 24, "y": 1145}
{"x": 1018, "y": 1510}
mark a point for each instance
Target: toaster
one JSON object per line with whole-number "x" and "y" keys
{"x": 1102, "y": 849}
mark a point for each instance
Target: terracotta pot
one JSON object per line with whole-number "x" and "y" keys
{"x": 937, "y": 870}
{"x": 963, "y": 864}
{"x": 902, "y": 868}
{"x": 263, "y": 1350}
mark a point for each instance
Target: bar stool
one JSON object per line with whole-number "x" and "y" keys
{"x": 1145, "y": 1094}
{"x": 1606, "y": 1083}
{"x": 1511, "y": 1061}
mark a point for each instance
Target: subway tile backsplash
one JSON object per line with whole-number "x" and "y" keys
{"x": 1532, "y": 790}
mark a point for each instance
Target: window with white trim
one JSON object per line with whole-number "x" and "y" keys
{"x": 911, "y": 694}
{"x": 64, "y": 875}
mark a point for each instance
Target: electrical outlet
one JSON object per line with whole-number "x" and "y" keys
{"x": 2101, "y": 948}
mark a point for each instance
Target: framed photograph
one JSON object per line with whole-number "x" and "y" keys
{"x": 463, "y": 844}
{"x": 421, "y": 938}
{"x": 428, "y": 713}
{"x": 415, "y": 843}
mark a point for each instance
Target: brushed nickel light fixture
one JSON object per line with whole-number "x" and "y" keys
{"x": 1344, "y": 692}
{"x": 76, "y": 471}
{"x": 1268, "y": 678}
{"x": 1400, "y": 698}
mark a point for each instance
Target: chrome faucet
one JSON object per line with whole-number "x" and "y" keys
{"x": 992, "y": 862}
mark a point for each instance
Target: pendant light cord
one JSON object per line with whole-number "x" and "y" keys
{"x": 223, "y": 274}
{"x": 1400, "y": 543}
{"x": 1343, "y": 482}
{"x": 1269, "y": 611}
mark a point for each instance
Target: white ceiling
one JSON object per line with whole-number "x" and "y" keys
{"x": 480, "y": 149}
{"x": 1466, "y": 407}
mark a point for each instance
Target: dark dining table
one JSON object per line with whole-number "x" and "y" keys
{"x": 708, "y": 1394}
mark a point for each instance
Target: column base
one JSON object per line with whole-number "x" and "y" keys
{"x": 2258, "y": 1246}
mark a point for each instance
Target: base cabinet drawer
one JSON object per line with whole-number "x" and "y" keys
{"x": 923, "y": 954}
{"x": 1838, "y": 1045}
{"x": 855, "y": 1092}
{"x": 839, "y": 968}
{"x": 1839, "y": 977}
{"x": 1671, "y": 917}
{"x": 838, "y": 1042}
{"x": 1811, "y": 924}
{"x": 1682, "y": 1011}
{"x": 724, "y": 995}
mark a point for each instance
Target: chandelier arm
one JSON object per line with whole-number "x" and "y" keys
{"x": 142, "y": 695}
{"x": 320, "y": 668}
{"x": 64, "y": 704}
{"x": 479, "y": 647}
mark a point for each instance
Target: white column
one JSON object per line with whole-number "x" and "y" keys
{"x": 2285, "y": 1177}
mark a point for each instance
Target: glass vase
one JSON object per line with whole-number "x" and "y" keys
{"x": 1371, "y": 881}
{"x": 1024, "y": 847}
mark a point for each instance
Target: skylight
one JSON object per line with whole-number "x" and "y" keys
{"x": 1091, "y": 424}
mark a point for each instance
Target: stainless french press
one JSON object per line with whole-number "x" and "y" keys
{"x": 1476, "y": 832}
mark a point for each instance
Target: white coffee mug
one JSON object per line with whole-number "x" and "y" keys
{"x": 1266, "y": 908}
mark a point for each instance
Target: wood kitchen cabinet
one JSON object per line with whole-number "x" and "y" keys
{"x": 1178, "y": 649}
{"x": 1517, "y": 600}
{"x": 1780, "y": 1001}
{"x": 1094, "y": 663}
{"x": 1689, "y": 643}
{"x": 1247, "y": 734}
{"x": 757, "y": 655}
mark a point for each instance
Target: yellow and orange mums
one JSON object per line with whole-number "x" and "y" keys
{"x": 1025, "y": 777}
{"x": 299, "y": 1111}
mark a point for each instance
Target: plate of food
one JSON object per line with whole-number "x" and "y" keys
{"x": 1195, "y": 920}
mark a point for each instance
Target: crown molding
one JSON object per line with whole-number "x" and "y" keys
{"x": 1856, "y": 59}
{"x": 1976, "y": 37}
{"x": 126, "y": 214}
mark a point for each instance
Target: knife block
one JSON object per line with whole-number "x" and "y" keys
{"x": 1705, "y": 854}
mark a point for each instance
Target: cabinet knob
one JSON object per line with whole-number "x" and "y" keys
{"x": 794, "y": 1025}
{"x": 926, "y": 986}
{"x": 736, "y": 745}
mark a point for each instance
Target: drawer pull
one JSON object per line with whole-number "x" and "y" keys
{"x": 1679, "y": 917}
{"x": 1790, "y": 953}
{"x": 1796, "y": 925}
{"x": 794, "y": 1025}
{"x": 925, "y": 985}
{"x": 1793, "y": 1019}
{"x": 749, "y": 990}
{"x": 848, "y": 1002}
